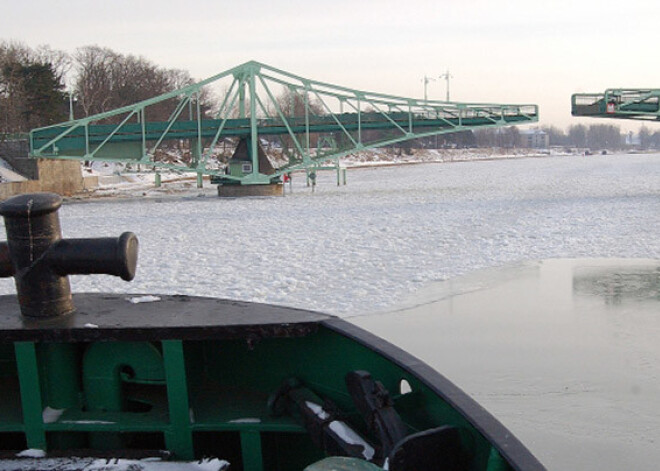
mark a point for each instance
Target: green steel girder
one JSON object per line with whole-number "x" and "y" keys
{"x": 260, "y": 102}
{"x": 622, "y": 103}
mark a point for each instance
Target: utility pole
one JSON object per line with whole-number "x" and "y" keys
{"x": 71, "y": 105}
{"x": 426, "y": 81}
{"x": 447, "y": 76}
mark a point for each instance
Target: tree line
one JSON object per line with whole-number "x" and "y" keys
{"x": 596, "y": 136}
{"x": 576, "y": 136}
{"x": 603, "y": 136}
{"x": 42, "y": 86}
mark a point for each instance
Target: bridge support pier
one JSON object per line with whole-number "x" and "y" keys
{"x": 237, "y": 191}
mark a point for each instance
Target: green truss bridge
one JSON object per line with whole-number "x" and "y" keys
{"x": 302, "y": 123}
{"x": 622, "y": 103}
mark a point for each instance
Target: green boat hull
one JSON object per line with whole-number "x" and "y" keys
{"x": 192, "y": 378}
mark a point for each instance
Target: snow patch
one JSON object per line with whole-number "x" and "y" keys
{"x": 35, "y": 459}
{"x": 247, "y": 420}
{"x": 348, "y": 435}
{"x": 318, "y": 410}
{"x": 50, "y": 415}
{"x": 31, "y": 453}
{"x": 143, "y": 299}
{"x": 86, "y": 422}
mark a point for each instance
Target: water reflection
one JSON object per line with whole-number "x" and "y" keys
{"x": 616, "y": 284}
{"x": 564, "y": 352}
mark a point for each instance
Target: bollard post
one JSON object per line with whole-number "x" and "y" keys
{"x": 40, "y": 260}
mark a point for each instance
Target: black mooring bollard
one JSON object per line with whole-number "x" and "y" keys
{"x": 40, "y": 260}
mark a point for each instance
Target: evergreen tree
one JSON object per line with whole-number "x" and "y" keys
{"x": 31, "y": 92}
{"x": 43, "y": 93}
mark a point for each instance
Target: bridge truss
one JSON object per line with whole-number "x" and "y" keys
{"x": 302, "y": 122}
{"x": 622, "y": 103}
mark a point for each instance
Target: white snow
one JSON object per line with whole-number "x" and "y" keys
{"x": 8, "y": 175}
{"x": 318, "y": 410}
{"x": 343, "y": 431}
{"x": 50, "y": 415}
{"x": 362, "y": 247}
{"x": 143, "y": 299}
{"x": 348, "y": 435}
{"x": 33, "y": 459}
{"x": 31, "y": 453}
{"x": 247, "y": 420}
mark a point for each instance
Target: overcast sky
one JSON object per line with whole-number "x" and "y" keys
{"x": 506, "y": 52}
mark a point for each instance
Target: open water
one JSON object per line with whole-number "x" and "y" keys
{"x": 564, "y": 352}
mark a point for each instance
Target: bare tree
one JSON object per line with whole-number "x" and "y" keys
{"x": 94, "y": 78}
{"x": 604, "y": 136}
{"x": 577, "y": 135}
{"x": 556, "y": 136}
{"x": 60, "y": 61}
{"x": 107, "y": 80}
{"x": 644, "y": 137}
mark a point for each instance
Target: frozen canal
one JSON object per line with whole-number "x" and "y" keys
{"x": 362, "y": 249}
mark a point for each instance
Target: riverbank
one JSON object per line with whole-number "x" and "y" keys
{"x": 121, "y": 181}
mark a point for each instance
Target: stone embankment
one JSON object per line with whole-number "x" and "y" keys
{"x": 34, "y": 175}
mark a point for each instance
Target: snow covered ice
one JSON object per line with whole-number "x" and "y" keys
{"x": 360, "y": 248}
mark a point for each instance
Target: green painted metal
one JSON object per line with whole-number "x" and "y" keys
{"x": 496, "y": 462}
{"x": 107, "y": 364}
{"x": 214, "y": 397}
{"x": 622, "y": 103}
{"x": 251, "y": 449}
{"x": 179, "y": 438}
{"x": 61, "y": 376}
{"x": 31, "y": 399}
{"x": 310, "y": 121}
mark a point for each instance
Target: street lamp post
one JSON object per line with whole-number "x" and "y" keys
{"x": 71, "y": 118}
{"x": 426, "y": 81}
{"x": 447, "y": 76}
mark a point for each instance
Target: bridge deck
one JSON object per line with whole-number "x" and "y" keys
{"x": 77, "y": 139}
{"x": 618, "y": 103}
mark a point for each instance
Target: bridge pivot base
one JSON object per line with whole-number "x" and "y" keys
{"x": 237, "y": 191}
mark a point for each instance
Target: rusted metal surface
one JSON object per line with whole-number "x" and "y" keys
{"x": 40, "y": 260}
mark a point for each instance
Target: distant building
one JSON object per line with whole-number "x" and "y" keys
{"x": 534, "y": 138}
